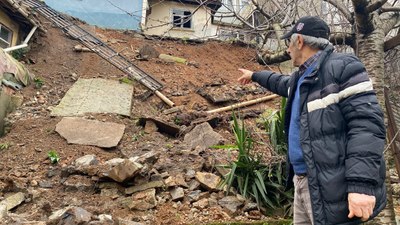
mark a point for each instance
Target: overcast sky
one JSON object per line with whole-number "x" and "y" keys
{"x": 97, "y": 5}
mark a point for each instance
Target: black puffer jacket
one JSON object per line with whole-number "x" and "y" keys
{"x": 342, "y": 133}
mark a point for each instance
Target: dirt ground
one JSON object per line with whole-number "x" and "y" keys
{"x": 25, "y": 165}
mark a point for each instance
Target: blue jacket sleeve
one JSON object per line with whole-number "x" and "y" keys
{"x": 274, "y": 82}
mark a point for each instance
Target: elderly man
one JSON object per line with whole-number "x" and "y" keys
{"x": 335, "y": 129}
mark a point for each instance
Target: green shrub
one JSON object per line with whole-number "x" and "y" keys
{"x": 253, "y": 179}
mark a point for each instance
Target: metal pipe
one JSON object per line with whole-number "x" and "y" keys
{"x": 24, "y": 44}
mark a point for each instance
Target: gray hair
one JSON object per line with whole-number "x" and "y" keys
{"x": 313, "y": 42}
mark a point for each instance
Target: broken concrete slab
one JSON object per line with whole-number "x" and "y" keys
{"x": 149, "y": 185}
{"x": 162, "y": 126}
{"x": 208, "y": 180}
{"x": 90, "y": 132}
{"x": 13, "y": 201}
{"x": 203, "y": 136}
{"x": 95, "y": 96}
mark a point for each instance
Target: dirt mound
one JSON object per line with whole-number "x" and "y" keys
{"x": 25, "y": 166}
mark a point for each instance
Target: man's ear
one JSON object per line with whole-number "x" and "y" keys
{"x": 300, "y": 42}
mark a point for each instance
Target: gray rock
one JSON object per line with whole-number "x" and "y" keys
{"x": 144, "y": 200}
{"x": 201, "y": 204}
{"x": 177, "y": 193}
{"x": 190, "y": 174}
{"x": 249, "y": 206}
{"x": 127, "y": 222}
{"x": 114, "y": 161}
{"x": 148, "y": 52}
{"x": 70, "y": 215}
{"x": 194, "y": 195}
{"x": 13, "y": 201}
{"x": 150, "y": 127}
{"x": 125, "y": 170}
{"x": 176, "y": 180}
{"x": 149, "y": 185}
{"x": 208, "y": 180}
{"x": 231, "y": 203}
{"x": 90, "y": 132}
{"x": 86, "y": 160}
{"x": 149, "y": 157}
{"x": 193, "y": 185}
{"x": 78, "y": 183}
{"x": 45, "y": 184}
{"x": 105, "y": 218}
{"x": 203, "y": 136}
{"x": 112, "y": 193}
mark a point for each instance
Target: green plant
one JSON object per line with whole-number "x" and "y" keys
{"x": 274, "y": 124}
{"x": 253, "y": 179}
{"x": 126, "y": 80}
{"x": 5, "y": 145}
{"x": 38, "y": 82}
{"x": 53, "y": 156}
{"x": 19, "y": 53}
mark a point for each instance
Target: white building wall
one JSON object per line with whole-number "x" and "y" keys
{"x": 159, "y": 21}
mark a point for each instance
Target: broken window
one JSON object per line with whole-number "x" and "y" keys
{"x": 5, "y": 37}
{"x": 182, "y": 18}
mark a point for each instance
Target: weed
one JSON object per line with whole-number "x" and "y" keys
{"x": 53, "y": 156}
{"x": 38, "y": 82}
{"x": 169, "y": 145}
{"x": 4, "y": 146}
{"x": 19, "y": 54}
{"x": 126, "y": 80}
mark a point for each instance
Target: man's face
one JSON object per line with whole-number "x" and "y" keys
{"x": 294, "y": 50}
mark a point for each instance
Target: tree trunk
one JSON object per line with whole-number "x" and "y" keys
{"x": 371, "y": 53}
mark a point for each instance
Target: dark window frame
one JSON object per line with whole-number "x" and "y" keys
{"x": 182, "y": 18}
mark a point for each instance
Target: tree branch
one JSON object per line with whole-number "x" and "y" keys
{"x": 268, "y": 58}
{"x": 343, "y": 39}
{"x": 342, "y": 8}
{"x": 376, "y": 5}
{"x": 390, "y": 9}
{"x": 363, "y": 18}
{"x": 392, "y": 43}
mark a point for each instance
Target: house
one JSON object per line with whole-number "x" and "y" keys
{"x": 15, "y": 23}
{"x": 115, "y": 14}
{"x": 16, "y": 28}
{"x": 179, "y": 18}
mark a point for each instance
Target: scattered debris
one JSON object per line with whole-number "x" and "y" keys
{"x": 231, "y": 203}
{"x": 80, "y": 48}
{"x": 13, "y": 201}
{"x": 208, "y": 180}
{"x": 169, "y": 58}
{"x": 147, "y": 52}
{"x": 162, "y": 126}
{"x": 204, "y": 136}
{"x": 90, "y": 132}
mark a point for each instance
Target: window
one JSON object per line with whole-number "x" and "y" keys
{"x": 5, "y": 37}
{"x": 182, "y": 18}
